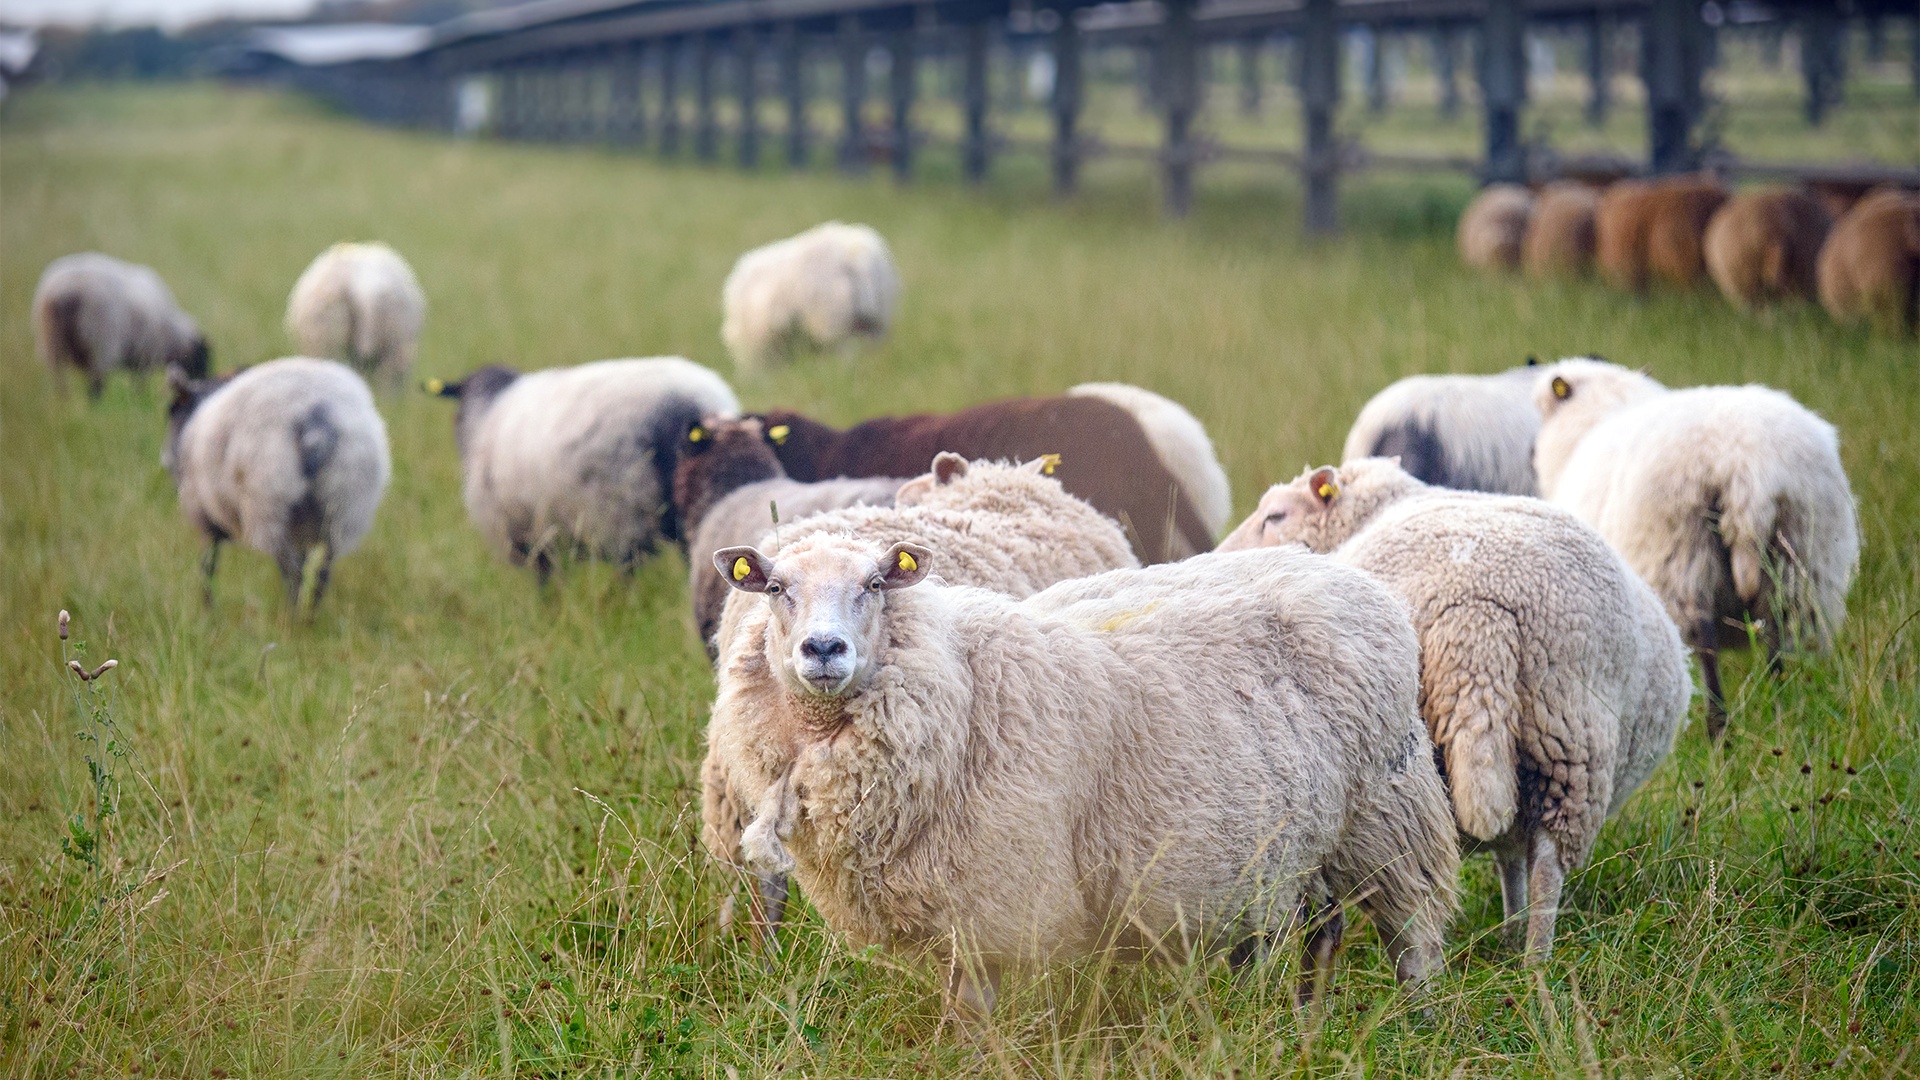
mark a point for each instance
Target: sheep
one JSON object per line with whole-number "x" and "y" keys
{"x": 289, "y": 457}
{"x": 1107, "y": 455}
{"x": 1551, "y": 679}
{"x": 1647, "y": 230}
{"x": 1730, "y": 501}
{"x": 1009, "y": 528}
{"x": 1155, "y": 760}
{"x": 360, "y": 304}
{"x": 1492, "y": 227}
{"x": 1460, "y": 431}
{"x": 99, "y": 314}
{"x": 1181, "y": 442}
{"x": 1559, "y": 239}
{"x": 1869, "y": 268}
{"x": 726, "y": 487}
{"x": 1761, "y": 246}
{"x": 826, "y": 287}
{"x": 578, "y": 459}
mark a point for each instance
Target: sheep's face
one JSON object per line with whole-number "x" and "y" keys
{"x": 827, "y": 596}
{"x": 1296, "y": 513}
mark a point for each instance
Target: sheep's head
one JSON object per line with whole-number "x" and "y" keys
{"x": 1572, "y": 396}
{"x": 476, "y": 394}
{"x": 720, "y": 455}
{"x": 1322, "y": 507}
{"x": 826, "y": 595}
{"x": 188, "y": 392}
{"x": 960, "y": 484}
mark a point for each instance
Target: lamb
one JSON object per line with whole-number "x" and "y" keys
{"x": 1559, "y": 239}
{"x": 1730, "y": 501}
{"x": 99, "y": 314}
{"x": 1648, "y": 230}
{"x": 1869, "y": 269}
{"x": 1761, "y": 246}
{"x": 578, "y": 460}
{"x": 361, "y": 304}
{"x": 1108, "y": 453}
{"x": 1160, "y": 760}
{"x": 725, "y": 488}
{"x": 826, "y": 287}
{"x": 1492, "y": 227}
{"x": 289, "y": 457}
{"x": 1551, "y": 679}
{"x": 1460, "y": 431}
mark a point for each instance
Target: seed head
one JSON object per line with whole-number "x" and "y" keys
{"x": 61, "y": 623}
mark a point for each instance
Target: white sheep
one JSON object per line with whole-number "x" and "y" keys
{"x": 1551, "y": 679}
{"x": 1730, "y": 501}
{"x": 1181, "y": 443}
{"x": 1494, "y": 226}
{"x": 578, "y": 460}
{"x": 99, "y": 314}
{"x": 1473, "y": 432}
{"x": 1184, "y": 757}
{"x": 360, "y": 304}
{"x": 825, "y": 288}
{"x": 289, "y": 457}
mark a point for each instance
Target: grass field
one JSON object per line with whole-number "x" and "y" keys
{"x": 450, "y": 828}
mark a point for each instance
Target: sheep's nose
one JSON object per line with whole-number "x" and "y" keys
{"x": 823, "y": 648}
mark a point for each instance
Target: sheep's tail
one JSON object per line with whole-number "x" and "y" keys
{"x": 1470, "y": 671}
{"x": 1791, "y": 555}
{"x": 315, "y": 437}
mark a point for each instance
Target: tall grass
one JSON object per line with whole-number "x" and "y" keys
{"x": 449, "y": 828}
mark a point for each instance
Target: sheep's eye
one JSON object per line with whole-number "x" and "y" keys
{"x": 774, "y": 588}
{"x": 1276, "y": 518}
{"x": 875, "y": 585}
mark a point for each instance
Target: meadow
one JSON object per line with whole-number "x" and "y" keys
{"x": 450, "y": 827}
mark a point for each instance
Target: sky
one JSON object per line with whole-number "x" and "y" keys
{"x": 166, "y": 13}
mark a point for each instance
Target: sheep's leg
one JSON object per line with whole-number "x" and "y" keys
{"x": 972, "y": 985}
{"x": 96, "y": 384}
{"x": 1322, "y": 943}
{"x": 209, "y": 562}
{"x": 1716, "y": 702}
{"x": 1512, "y": 860}
{"x": 542, "y": 568}
{"x": 1545, "y": 875}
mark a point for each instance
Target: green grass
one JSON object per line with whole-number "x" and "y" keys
{"x": 450, "y": 828}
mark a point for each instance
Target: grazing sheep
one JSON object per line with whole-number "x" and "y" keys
{"x": 1161, "y": 760}
{"x": 288, "y": 457}
{"x": 1559, "y": 240}
{"x": 1647, "y": 230}
{"x": 725, "y": 489}
{"x": 1106, "y": 455}
{"x": 360, "y": 304}
{"x": 578, "y": 459}
{"x": 827, "y": 286}
{"x": 1181, "y": 441}
{"x": 1551, "y": 679}
{"x": 1761, "y": 246}
{"x": 97, "y": 313}
{"x": 1870, "y": 266}
{"x": 1460, "y": 431}
{"x": 1492, "y": 227}
{"x": 1729, "y": 500}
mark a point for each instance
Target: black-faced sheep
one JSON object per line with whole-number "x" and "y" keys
{"x": 579, "y": 459}
{"x": 1869, "y": 269}
{"x": 1730, "y": 501}
{"x": 1185, "y": 757}
{"x": 1492, "y": 227}
{"x": 287, "y": 457}
{"x": 1762, "y": 246}
{"x": 826, "y": 287}
{"x": 1559, "y": 238}
{"x": 99, "y": 314}
{"x": 1108, "y": 446}
{"x": 1473, "y": 432}
{"x": 360, "y": 304}
{"x": 1654, "y": 230}
{"x": 1551, "y": 679}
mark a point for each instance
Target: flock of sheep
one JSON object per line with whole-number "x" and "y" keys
{"x": 1858, "y": 254}
{"x": 991, "y": 685}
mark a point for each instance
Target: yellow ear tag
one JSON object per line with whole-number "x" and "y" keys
{"x": 1048, "y": 463}
{"x": 696, "y": 434}
{"x": 778, "y": 433}
{"x": 1329, "y": 489}
{"x": 741, "y": 568}
{"x": 907, "y": 563}
{"x": 435, "y": 386}
{"x": 1560, "y": 388}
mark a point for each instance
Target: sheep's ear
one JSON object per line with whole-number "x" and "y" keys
{"x": 744, "y": 568}
{"x": 1325, "y": 484}
{"x": 1562, "y": 389}
{"x": 911, "y": 492}
{"x": 1045, "y": 464}
{"x": 778, "y": 434}
{"x": 698, "y": 436}
{"x": 1533, "y": 360}
{"x": 905, "y": 564}
{"x": 441, "y": 388}
{"x": 948, "y": 467}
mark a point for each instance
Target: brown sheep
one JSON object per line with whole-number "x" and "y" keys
{"x": 1559, "y": 236}
{"x": 1870, "y": 266}
{"x": 1762, "y": 245}
{"x": 1653, "y": 229}
{"x": 1492, "y": 226}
